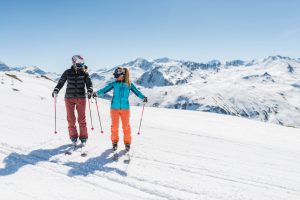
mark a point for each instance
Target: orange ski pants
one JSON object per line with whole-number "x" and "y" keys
{"x": 124, "y": 115}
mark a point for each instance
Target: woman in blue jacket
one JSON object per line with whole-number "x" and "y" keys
{"x": 120, "y": 105}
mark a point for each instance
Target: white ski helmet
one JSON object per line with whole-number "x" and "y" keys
{"x": 77, "y": 59}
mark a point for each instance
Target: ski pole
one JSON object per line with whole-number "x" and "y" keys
{"x": 99, "y": 115}
{"x": 91, "y": 114}
{"x": 141, "y": 120}
{"x": 55, "y": 131}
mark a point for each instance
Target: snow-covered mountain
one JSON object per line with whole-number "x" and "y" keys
{"x": 29, "y": 70}
{"x": 33, "y": 70}
{"x": 266, "y": 89}
{"x": 4, "y": 67}
{"x": 262, "y": 89}
{"x": 179, "y": 154}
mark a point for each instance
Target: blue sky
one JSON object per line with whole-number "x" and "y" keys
{"x": 111, "y": 32}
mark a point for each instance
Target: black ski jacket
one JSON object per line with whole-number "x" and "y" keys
{"x": 77, "y": 80}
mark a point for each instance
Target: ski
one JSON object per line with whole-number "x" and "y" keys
{"x": 115, "y": 156}
{"x": 84, "y": 154}
{"x": 83, "y": 151}
{"x": 126, "y": 154}
{"x": 71, "y": 150}
{"x": 127, "y": 157}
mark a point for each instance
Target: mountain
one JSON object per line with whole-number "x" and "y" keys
{"x": 32, "y": 70}
{"x": 235, "y": 63}
{"x": 261, "y": 89}
{"x": 179, "y": 154}
{"x": 4, "y": 67}
{"x": 258, "y": 89}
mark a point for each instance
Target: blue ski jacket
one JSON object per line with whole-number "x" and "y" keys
{"x": 121, "y": 94}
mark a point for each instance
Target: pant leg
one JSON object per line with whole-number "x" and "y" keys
{"x": 80, "y": 107}
{"x": 125, "y": 115}
{"x": 114, "y": 125}
{"x": 71, "y": 118}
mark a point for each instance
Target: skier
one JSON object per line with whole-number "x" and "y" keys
{"x": 77, "y": 79}
{"x": 120, "y": 105}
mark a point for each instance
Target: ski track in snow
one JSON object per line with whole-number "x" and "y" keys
{"x": 179, "y": 154}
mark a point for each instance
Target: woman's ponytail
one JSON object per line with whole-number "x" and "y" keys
{"x": 127, "y": 77}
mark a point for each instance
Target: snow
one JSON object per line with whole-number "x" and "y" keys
{"x": 179, "y": 154}
{"x": 32, "y": 70}
{"x": 264, "y": 90}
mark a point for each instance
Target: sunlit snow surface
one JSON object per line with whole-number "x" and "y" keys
{"x": 179, "y": 154}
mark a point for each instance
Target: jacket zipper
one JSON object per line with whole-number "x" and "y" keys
{"x": 75, "y": 83}
{"x": 119, "y": 97}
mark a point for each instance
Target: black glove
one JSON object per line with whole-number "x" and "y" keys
{"x": 89, "y": 94}
{"x": 94, "y": 95}
{"x": 145, "y": 100}
{"x": 54, "y": 93}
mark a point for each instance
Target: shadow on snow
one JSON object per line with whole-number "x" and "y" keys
{"x": 15, "y": 161}
{"x": 95, "y": 164}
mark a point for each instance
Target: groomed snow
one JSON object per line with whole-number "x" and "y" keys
{"x": 179, "y": 154}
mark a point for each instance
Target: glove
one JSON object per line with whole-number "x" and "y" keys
{"x": 89, "y": 94}
{"x": 54, "y": 93}
{"x": 92, "y": 94}
{"x": 145, "y": 100}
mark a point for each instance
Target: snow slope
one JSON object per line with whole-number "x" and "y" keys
{"x": 179, "y": 154}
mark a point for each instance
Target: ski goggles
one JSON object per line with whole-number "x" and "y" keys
{"x": 119, "y": 72}
{"x": 80, "y": 64}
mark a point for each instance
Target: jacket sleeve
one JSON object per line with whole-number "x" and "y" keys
{"x": 61, "y": 82}
{"x": 136, "y": 91}
{"x": 88, "y": 83}
{"x": 104, "y": 90}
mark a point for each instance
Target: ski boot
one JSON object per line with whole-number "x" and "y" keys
{"x": 115, "y": 153}
{"x": 83, "y": 147}
{"x": 74, "y": 142}
{"x": 127, "y": 156}
{"x": 127, "y": 147}
{"x": 73, "y": 146}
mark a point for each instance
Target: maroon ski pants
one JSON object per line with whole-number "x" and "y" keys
{"x": 79, "y": 104}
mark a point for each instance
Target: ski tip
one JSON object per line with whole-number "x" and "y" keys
{"x": 115, "y": 158}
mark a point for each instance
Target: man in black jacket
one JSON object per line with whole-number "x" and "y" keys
{"x": 77, "y": 79}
